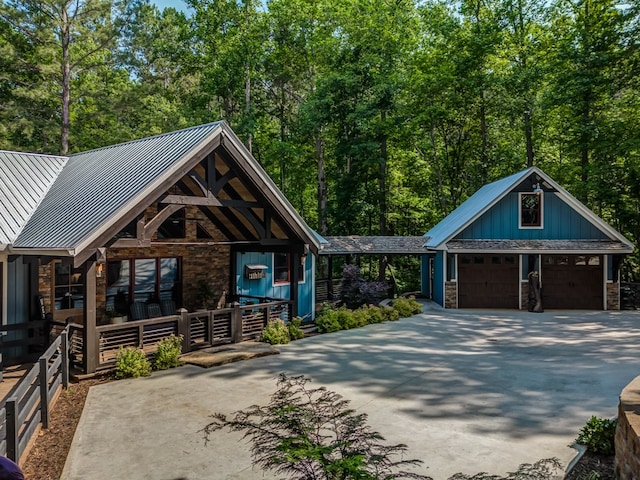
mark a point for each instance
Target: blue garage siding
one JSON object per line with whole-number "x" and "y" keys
{"x": 265, "y": 287}
{"x": 438, "y": 278}
{"x": 561, "y": 222}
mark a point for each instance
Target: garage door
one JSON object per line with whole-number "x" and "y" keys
{"x": 572, "y": 282}
{"x": 488, "y": 281}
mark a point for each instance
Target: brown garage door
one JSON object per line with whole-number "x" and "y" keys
{"x": 572, "y": 282}
{"x": 488, "y": 281}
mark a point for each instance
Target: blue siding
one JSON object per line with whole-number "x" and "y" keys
{"x": 438, "y": 278}
{"x": 425, "y": 276}
{"x": 561, "y": 222}
{"x": 264, "y": 287}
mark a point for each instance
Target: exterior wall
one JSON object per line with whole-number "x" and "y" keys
{"x": 627, "y": 441}
{"x": 451, "y": 295}
{"x": 560, "y": 222}
{"x": 613, "y": 296}
{"x": 265, "y": 287}
{"x": 425, "y": 276}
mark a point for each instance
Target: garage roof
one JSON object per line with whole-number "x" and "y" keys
{"x": 372, "y": 245}
{"x": 536, "y": 246}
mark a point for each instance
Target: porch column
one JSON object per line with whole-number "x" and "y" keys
{"x": 293, "y": 286}
{"x": 89, "y": 334}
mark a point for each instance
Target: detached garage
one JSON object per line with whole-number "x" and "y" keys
{"x": 484, "y": 253}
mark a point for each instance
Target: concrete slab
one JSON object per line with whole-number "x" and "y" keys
{"x": 467, "y": 391}
{"x": 216, "y": 356}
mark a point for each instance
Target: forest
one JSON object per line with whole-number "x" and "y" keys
{"x": 374, "y": 117}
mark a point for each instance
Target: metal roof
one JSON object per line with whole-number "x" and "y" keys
{"x": 351, "y": 245}
{"x": 25, "y": 179}
{"x": 473, "y": 207}
{"x": 537, "y": 246}
{"x": 95, "y": 185}
{"x": 490, "y": 194}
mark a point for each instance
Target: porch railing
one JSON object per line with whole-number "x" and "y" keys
{"x": 200, "y": 329}
{"x": 28, "y": 405}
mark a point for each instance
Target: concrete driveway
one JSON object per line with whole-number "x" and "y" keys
{"x": 467, "y": 391}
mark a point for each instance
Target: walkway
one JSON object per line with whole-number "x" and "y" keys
{"x": 467, "y": 391}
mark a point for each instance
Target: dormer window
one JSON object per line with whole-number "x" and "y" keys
{"x": 531, "y": 210}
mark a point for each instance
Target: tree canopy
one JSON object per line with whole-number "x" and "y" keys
{"x": 374, "y": 117}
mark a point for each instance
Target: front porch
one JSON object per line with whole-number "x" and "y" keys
{"x": 200, "y": 329}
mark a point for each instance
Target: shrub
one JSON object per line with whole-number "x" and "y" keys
{"x": 309, "y": 432}
{"x": 132, "y": 362}
{"x": 374, "y": 314}
{"x": 598, "y": 435}
{"x": 357, "y": 292}
{"x": 276, "y": 333}
{"x": 390, "y": 314}
{"x": 407, "y": 306}
{"x": 327, "y": 321}
{"x": 295, "y": 332}
{"x": 168, "y": 353}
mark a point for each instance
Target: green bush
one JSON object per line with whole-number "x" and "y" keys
{"x": 374, "y": 314}
{"x": 598, "y": 435}
{"x": 407, "y": 306}
{"x": 132, "y": 362}
{"x": 168, "y": 353}
{"x": 295, "y": 332}
{"x": 276, "y": 333}
{"x": 389, "y": 314}
{"x": 347, "y": 319}
{"x": 327, "y": 321}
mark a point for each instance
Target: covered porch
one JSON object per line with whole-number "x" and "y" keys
{"x": 161, "y": 243}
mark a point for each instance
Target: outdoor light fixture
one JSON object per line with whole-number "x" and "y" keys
{"x": 537, "y": 189}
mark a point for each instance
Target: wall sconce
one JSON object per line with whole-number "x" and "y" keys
{"x": 99, "y": 268}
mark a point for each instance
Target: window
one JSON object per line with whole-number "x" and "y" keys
{"x": 531, "y": 210}
{"x": 142, "y": 280}
{"x": 173, "y": 227}
{"x": 282, "y": 268}
{"x": 68, "y": 287}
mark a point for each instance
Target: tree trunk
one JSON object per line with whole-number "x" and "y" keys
{"x": 65, "y": 37}
{"x": 322, "y": 186}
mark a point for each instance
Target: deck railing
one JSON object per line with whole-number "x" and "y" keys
{"x": 28, "y": 405}
{"x": 200, "y": 329}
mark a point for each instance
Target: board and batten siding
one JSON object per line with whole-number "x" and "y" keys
{"x": 438, "y": 278}
{"x": 560, "y": 222}
{"x": 264, "y": 287}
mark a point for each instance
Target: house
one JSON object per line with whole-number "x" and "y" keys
{"x": 138, "y": 230}
{"x": 482, "y": 254}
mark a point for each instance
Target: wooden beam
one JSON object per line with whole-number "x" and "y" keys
{"x": 208, "y": 201}
{"x": 90, "y": 346}
{"x": 232, "y": 203}
{"x": 130, "y": 242}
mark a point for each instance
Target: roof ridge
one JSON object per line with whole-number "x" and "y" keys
{"x": 145, "y": 139}
{"x": 48, "y": 155}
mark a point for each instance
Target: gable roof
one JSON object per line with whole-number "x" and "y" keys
{"x": 25, "y": 179}
{"x": 490, "y": 194}
{"x": 110, "y": 186}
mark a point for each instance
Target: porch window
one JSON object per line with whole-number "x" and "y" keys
{"x": 173, "y": 227}
{"x": 282, "y": 268}
{"x": 142, "y": 280}
{"x": 68, "y": 287}
{"x": 531, "y": 210}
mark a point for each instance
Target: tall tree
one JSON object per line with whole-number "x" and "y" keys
{"x": 66, "y": 39}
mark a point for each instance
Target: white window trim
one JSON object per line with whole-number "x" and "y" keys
{"x": 532, "y": 227}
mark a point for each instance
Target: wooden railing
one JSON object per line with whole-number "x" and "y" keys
{"x": 328, "y": 290}
{"x": 200, "y": 330}
{"x": 28, "y": 405}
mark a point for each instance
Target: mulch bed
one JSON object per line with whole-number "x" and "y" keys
{"x": 591, "y": 464}
{"x": 49, "y": 452}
